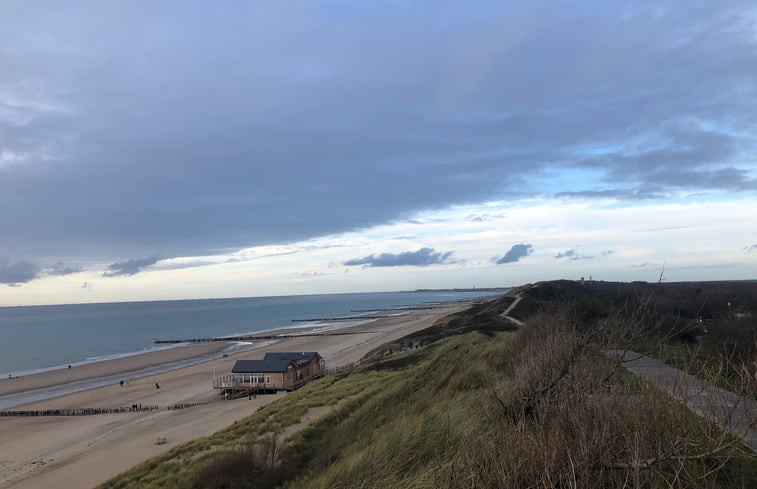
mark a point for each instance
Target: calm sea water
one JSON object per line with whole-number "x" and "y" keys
{"x": 44, "y": 337}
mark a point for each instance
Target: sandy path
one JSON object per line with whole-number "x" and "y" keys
{"x": 81, "y": 452}
{"x": 517, "y": 322}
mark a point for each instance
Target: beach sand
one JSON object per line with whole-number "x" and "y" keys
{"x": 107, "y": 368}
{"x": 83, "y": 451}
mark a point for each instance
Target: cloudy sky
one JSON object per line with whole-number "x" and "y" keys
{"x": 154, "y": 150}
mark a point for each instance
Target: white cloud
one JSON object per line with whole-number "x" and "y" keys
{"x": 9, "y": 158}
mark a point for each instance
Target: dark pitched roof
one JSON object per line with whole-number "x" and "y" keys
{"x": 260, "y": 366}
{"x": 274, "y": 362}
{"x": 299, "y": 358}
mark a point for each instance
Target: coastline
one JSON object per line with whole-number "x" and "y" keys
{"x": 106, "y": 368}
{"x": 83, "y": 451}
{"x": 44, "y": 338}
{"x": 137, "y": 365}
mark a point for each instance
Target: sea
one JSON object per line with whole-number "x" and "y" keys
{"x": 39, "y": 338}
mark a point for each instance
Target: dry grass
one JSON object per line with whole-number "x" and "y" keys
{"x": 256, "y": 466}
{"x": 570, "y": 418}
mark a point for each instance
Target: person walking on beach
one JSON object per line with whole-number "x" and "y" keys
{"x": 157, "y": 386}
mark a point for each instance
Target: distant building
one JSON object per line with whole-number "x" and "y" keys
{"x": 276, "y": 371}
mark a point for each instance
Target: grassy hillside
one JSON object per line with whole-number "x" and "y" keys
{"x": 477, "y": 405}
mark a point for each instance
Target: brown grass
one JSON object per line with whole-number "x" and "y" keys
{"x": 568, "y": 417}
{"x": 256, "y": 466}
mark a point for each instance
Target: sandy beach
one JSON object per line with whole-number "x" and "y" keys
{"x": 107, "y": 368}
{"x": 83, "y": 451}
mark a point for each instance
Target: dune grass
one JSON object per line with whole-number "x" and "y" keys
{"x": 406, "y": 434}
{"x": 178, "y": 468}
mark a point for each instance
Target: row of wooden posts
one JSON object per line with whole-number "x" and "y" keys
{"x": 137, "y": 408}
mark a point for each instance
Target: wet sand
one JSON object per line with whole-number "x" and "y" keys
{"x": 107, "y": 368}
{"x": 81, "y": 452}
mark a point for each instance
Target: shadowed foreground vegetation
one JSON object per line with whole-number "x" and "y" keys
{"x": 477, "y": 405}
{"x": 706, "y": 328}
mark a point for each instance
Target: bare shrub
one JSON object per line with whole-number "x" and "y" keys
{"x": 544, "y": 354}
{"x": 639, "y": 324}
{"x": 732, "y": 343}
{"x": 569, "y": 417}
{"x": 612, "y": 440}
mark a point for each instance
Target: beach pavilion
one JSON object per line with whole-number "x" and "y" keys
{"x": 276, "y": 371}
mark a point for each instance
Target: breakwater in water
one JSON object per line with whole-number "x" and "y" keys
{"x": 41, "y": 338}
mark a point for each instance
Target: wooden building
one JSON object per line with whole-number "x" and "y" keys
{"x": 276, "y": 371}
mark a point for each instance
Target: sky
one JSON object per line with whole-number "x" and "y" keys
{"x": 169, "y": 150}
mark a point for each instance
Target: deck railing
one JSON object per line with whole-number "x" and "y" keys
{"x": 236, "y": 382}
{"x": 241, "y": 381}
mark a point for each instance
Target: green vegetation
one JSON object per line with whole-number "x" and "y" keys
{"x": 483, "y": 318}
{"x": 730, "y": 367}
{"x": 708, "y": 329}
{"x": 477, "y": 405}
{"x": 178, "y": 467}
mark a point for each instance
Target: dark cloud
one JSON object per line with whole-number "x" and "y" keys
{"x": 274, "y": 123}
{"x": 573, "y": 255}
{"x": 131, "y": 267}
{"x": 60, "y": 269}
{"x": 22, "y": 271}
{"x": 17, "y": 272}
{"x": 751, "y": 248}
{"x": 515, "y": 253}
{"x": 421, "y": 258}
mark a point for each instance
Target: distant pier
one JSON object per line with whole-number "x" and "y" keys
{"x": 248, "y": 337}
{"x": 280, "y": 336}
{"x": 340, "y": 318}
{"x": 397, "y": 308}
